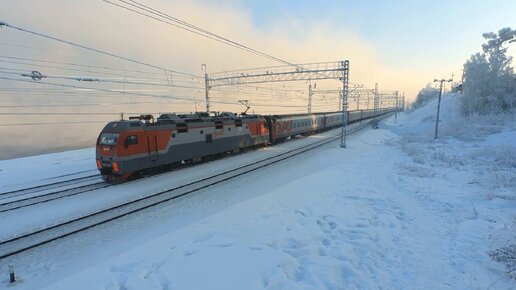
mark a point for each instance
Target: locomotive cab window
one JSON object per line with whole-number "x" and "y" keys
{"x": 108, "y": 139}
{"x": 219, "y": 125}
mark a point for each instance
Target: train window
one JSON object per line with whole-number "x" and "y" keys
{"x": 238, "y": 123}
{"x": 202, "y": 132}
{"x": 108, "y": 138}
{"x": 173, "y": 135}
{"x": 229, "y": 129}
{"x": 132, "y": 140}
{"x": 219, "y": 125}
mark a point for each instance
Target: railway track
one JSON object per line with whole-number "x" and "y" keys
{"x": 23, "y": 242}
{"x": 34, "y": 190}
{"x": 46, "y": 197}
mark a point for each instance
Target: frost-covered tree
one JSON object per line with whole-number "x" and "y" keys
{"x": 506, "y": 255}
{"x": 424, "y": 95}
{"x": 489, "y": 79}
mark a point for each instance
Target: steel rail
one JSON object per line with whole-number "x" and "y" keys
{"x": 43, "y": 187}
{"x": 33, "y": 200}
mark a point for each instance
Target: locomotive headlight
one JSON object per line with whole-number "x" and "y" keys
{"x": 99, "y": 164}
{"x": 115, "y": 166}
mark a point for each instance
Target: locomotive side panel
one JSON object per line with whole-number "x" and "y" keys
{"x": 125, "y": 147}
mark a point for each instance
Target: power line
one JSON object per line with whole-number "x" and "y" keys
{"x": 92, "y": 49}
{"x": 100, "y": 90}
{"x": 173, "y": 79}
{"x": 80, "y": 65}
{"x": 127, "y": 93}
{"x": 101, "y": 80}
{"x": 69, "y": 114}
{"x": 129, "y": 82}
{"x": 77, "y": 105}
{"x": 190, "y": 27}
{"x": 85, "y": 71}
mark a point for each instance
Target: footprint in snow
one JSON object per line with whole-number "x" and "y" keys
{"x": 190, "y": 253}
{"x": 326, "y": 224}
{"x": 223, "y": 245}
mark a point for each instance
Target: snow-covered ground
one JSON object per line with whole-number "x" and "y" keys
{"x": 394, "y": 210}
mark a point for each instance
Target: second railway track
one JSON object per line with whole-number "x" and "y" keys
{"x": 41, "y": 198}
{"x": 34, "y": 190}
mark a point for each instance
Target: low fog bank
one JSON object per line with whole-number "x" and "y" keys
{"x": 35, "y": 140}
{"x": 27, "y": 151}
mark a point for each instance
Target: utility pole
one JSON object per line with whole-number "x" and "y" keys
{"x": 206, "y": 87}
{"x": 439, "y": 103}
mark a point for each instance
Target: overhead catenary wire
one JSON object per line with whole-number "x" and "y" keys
{"x": 156, "y": 12}
{"x": 4, "y": 24}
{"x": 97, "y": 89}
{"x": 100, "y": 80}
{"x": 82, "y": 65}
{"x": 130, "y": 82}
{"x": 189, "y": 27}
{"x": 88, "y": 71}
{"x": 229, "y": 93}
{"x": 194, "y": 29}
{"x": 71, "y": 114}
{"x": 239, "y": 92}
{"x": 128, "y": 93}
{"x": 7, "y": 25}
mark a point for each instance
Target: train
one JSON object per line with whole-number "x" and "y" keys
{"x": 142, "y": 143}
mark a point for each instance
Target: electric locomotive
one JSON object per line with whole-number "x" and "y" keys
{"x": 140, "y": 143}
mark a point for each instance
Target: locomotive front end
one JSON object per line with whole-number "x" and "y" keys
{"x": 110, "y": 150}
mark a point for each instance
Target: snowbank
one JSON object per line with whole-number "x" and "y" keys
{"x": 394, "y": 210}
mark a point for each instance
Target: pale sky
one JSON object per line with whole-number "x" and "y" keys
{"x": 400, "y": 44}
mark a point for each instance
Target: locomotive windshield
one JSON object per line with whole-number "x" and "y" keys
{"x": 108, "y": 138}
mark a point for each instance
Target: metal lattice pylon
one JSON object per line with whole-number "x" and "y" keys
{"x": 345, "y": 92}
